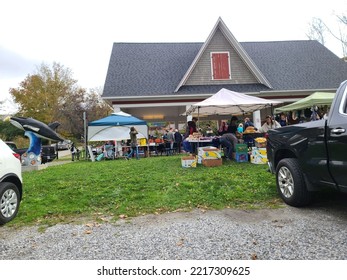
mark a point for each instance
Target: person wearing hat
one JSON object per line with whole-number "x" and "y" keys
{"x": 270, "y": 123}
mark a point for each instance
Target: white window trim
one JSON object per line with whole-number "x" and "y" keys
{"x": 211, "y": 53}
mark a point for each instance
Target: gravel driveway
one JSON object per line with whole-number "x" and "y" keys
{"x": 318, "y": 232}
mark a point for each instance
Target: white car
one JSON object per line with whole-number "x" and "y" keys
{"x": 10, "y": 183}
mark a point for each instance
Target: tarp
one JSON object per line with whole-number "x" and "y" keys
{"x": 315, "y": 99}
{"x": 227, "y": 102}
{"x": 116, "y": 127}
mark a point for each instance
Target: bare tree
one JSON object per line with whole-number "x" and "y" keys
{"x": 318, "y": 30}
{"x": 79, "y": 101}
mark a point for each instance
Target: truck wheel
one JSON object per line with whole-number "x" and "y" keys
{"x": 9, "y": 202}
{"x": 291, "y": 185}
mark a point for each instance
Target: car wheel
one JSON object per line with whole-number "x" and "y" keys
{"x": 9, "y": 202}
{"x": 291, "y": 185}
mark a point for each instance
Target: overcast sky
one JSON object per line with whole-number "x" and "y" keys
{"x": 79, "y": 34}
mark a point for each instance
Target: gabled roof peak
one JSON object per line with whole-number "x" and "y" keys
{"x": 237, "y": 46}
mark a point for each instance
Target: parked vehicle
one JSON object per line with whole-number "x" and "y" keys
{"x": 10, "y": 183}
{"x": 63, "y": 145}
{"x": 308, "y": 156}
{"x": 48, "y": 152}
{"x": 12, "y": 145}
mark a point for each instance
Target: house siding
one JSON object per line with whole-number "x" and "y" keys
{"x": 202, "y": 73}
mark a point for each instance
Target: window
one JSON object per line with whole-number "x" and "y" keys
{"x": 220, "y": 66}
{"x": 343, "y": 106}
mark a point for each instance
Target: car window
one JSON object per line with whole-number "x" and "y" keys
{"x": 343, "y": 105}
{"x": 11, "y": 145}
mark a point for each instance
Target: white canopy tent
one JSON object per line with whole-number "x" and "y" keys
{"x": 227, "y": 102}
{"x": 116, "y": 127}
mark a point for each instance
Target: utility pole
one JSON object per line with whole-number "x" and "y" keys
{"x": 85, "y": 122}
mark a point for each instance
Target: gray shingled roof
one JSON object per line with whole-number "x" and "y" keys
{"x": 147, "y": 69}
{"x": 297, "y": 65}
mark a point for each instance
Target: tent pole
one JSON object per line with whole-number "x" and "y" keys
{"x": 197, "y": 148}
{"x": 198, "y": 119}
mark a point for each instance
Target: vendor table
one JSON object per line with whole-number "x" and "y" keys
{"x": 197, "y": 142}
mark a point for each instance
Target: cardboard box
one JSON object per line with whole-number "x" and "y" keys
{"x": 209, "y": 152}
{"x": 241, "y": 157}
{"x": 259, "y": 155}
{"x": 143, "y": 142}
{"x": 212, "y": 162}
{"x": 188, "y": 161}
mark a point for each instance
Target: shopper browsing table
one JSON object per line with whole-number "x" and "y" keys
{"x": 228, "y": 141}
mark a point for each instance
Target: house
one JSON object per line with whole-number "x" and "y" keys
{"x": 159, "y": 81}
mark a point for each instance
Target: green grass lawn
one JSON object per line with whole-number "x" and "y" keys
{"x": 119, "y": 188}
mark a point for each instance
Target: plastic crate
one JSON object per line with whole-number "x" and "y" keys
{"x": 241, "y": 157}
{"x": 241, "y": 148}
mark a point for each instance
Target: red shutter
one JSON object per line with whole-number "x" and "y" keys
{"x": 220, "y": 66}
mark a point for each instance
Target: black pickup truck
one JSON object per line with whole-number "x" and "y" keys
{"x": 48, "y": 153}
{"x": 309, "y": 156}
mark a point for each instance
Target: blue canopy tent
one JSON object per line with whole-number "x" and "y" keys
{"x": 116, "y": 127}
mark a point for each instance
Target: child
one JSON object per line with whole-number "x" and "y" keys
{"x": 240, "y": 128}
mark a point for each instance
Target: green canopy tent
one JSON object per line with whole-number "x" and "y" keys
{"x": 315, "y": 99}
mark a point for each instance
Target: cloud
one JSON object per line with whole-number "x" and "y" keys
{"x": 13, "y": 65}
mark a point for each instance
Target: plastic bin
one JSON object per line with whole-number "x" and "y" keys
{"x": 241, "y": 157}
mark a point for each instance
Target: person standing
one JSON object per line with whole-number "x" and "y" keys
{"x": 240, "y": 128}
{"x": 209, "y": 131}
{"x": 73, "y": 151}
{"x": 178, "y": 140}
{"x": 171, "y": 140}
{"x": 283, "y": 120}
{"x": 133, "y": 143}
{"x": 247, "y": 123}
{"x": 223, "y": 128}
{"x": 270, "y": 123}
{"x": 190, "y": 129}
{"x": 232, "y": 127}
{"x": 228, "y": 141}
